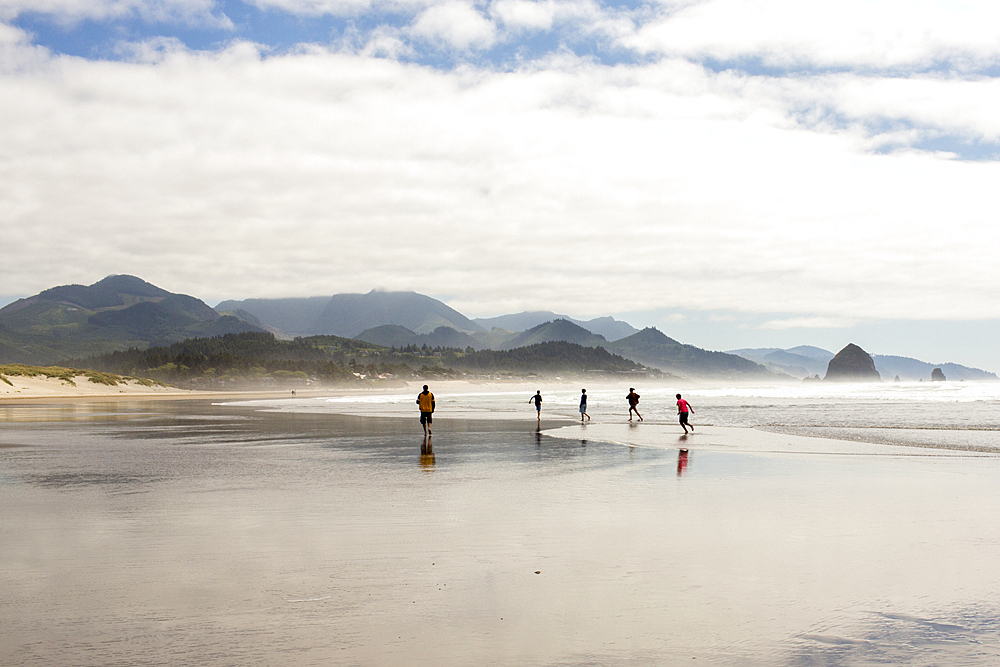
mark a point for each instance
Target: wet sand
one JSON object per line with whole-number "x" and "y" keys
{"x": 186, "y": 533}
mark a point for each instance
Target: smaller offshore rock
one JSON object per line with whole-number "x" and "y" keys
{"x": 937, "y": 375}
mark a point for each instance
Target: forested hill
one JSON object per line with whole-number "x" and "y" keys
{"x": 553, "y": 356}
{"x": 115, "y": 313}
{"x": 248, "y": 356}
{"x": 236, "y": 358}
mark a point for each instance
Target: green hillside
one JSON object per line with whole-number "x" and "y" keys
{"x": 556, "y": 330}
{"x": 548, "y": 357}
{"x": 393, "y": 335}
{"x": 254, "y": 357}
{"x": 119, "y": 312}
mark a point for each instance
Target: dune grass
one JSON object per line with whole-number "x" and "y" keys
{"x": 69, "y": 375}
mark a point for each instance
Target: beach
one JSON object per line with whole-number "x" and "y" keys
{"x": 320, "y": 530}
{"x": 20, "y": 388}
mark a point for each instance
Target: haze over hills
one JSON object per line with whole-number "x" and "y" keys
{"x": 653, "y": 348}
{"x": 608, "y": 327}
{"x": 802, "y": 361}
{"x": 350, "y": 314}
{"x": 294, "y": 316}
{"x": 393, "y": 335}
{"x": 114, "y": 313}
{"x": 911, "y": 370}
{"x": 121, "y": 311}
{"x": 807, "y": 361}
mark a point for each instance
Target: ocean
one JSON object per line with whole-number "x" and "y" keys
{"x": 811, "y": 525}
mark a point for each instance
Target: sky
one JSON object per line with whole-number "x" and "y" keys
{"x": 756, "y": 173}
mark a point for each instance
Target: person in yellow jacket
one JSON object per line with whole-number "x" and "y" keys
{"x": 425, "y": 400}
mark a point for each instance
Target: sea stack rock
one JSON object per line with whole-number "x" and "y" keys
{"x": 852, "y": 364}
{"x": 937, "y": 375}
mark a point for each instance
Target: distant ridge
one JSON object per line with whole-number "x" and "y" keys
{"x": 807, "y": 361}
{"x": 653, "y": 348}
{"x": 294, "y": 316}
{"x": 912, "y": 370}
{"x": 393, "y": 335}
{"x": 803, "y": 361}
{"x": 347, "y": 315}
{"x": 608, "y": 327}
{"x": 557, "y": 330}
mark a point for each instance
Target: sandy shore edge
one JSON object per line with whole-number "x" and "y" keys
{"x": 35, "y": 389}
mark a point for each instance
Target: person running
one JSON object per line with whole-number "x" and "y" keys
{"x": 633, "y": 401}
{"x": 425, "y": 400}
{"x": 583, "y": 405}
{"x": 683, "y": 408}
{"x": 537, "y": 398}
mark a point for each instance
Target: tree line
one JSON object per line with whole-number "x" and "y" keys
{"x": 257, "y": 356}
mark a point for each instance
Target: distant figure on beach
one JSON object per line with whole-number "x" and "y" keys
{"x": 583, "y": 405}
{"x": 633, "y": 401}
{"x": 683, "y": 408}
{"x": 537, "y": 398}
{"x": 425, "y": 400}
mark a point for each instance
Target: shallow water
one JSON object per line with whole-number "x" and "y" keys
{"x": 957, "y": 415}
{"x": 186, "y": 533}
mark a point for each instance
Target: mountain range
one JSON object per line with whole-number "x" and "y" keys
{"x": 807, "y": 361}
{"x": 608, "y": 327}
{"x": 121, "y": 312}
{"x": 348, "y": 315}
{"x": 113, "y": 314}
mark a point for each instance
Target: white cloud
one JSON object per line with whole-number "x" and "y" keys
{"x": 809, "y": 323}
{"x": 865, "y": 33}
{"x": 959, "y": 106}
{"x": 456, "y": 24}
{"x": 191, "y": 12}
{"x": 316, "y": 7}
{"x": 545, "y": 14}
{"x": 565, "y": 185}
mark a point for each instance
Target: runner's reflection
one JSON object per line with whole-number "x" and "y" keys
{"x": 427, "y": 454}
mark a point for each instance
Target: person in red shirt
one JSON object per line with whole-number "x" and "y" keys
{"x": 683, "y": 408}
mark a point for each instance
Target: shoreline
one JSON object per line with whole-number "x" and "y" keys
{"x": 34, "y": 390}
{"x": 54, "y": 391}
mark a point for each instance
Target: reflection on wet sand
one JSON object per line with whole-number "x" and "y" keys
{"x": 189, "y": 534}
{"x": 427, "y": 454}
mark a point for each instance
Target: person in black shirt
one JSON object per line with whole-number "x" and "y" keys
{"x": 537, "y": 398}
{"x": 633, "y": 402}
